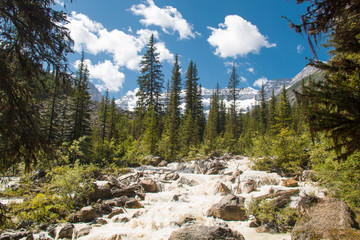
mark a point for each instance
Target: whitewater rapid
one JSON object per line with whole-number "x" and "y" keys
{"x": 162, "y": 214}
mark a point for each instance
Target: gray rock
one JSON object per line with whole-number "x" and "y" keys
{"x": 87, "y": 214}
{"x": 230, "y": 208}
{"x": 115, "y": 212}
{"x": 12, "y": 235}
{"x": 150, "y": 185}
{"x": 133, "y": 203}
{"x": 66, "y": 231}
{"x": 82, "y": 231}
{"x": 327, "y": 219}
{"x": 172, "y": 176}
{"x": 205, "y": 233}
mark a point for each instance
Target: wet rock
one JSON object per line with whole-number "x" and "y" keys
{"x": 249, "y": 186}
{"x": 87, "y": 214}
{"x": 83, "y": 231}
{"x": 163, "y": 163}
{"x": 307, "y": 175}
{"x": 101, "y": 221}
{"x": 153, "y": 160}
{"x": 235, "y": 175}
{"x": 150, "y": 185}
{"x": 124, "y": 192}
{"x": 141, "y": 196}
{"x": 44, "y": 236}
{"x": 115, "y": 212}
{"x": 227, "y": 156}
{"x": 133, "y": 203}
{"x": 172, "y": 176}
{"x": 120, "y": 202}
{"x": 100, "y": 192}
{"x": 120, "y": 219}
{"x": 12, "y": 235}
{"x": 289, "y": 182}
{"x": 66, "y": 231}
{"x": 223, "y": 189}
{"x": 52, "y": 231}
{"x": 267, "y": 228}
{"x": 254, "y": 224}
{"x": 205, "y": 232}
{"x": 176, "y": 197}
{"x": 105, "y": 208}
{"x": 74, "y": 218}
{"x": 113, "y": 237}
{"x": 230, "y": 208}
{"x": 187, "y": 220}
{"x": 327, "y": 219}
{"x": 186, "y": 181}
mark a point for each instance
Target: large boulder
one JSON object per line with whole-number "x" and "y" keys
{"x": 12, "y": 235}
{"x": 150, "y": 185}
{"x": 230, "y": 208}
{"x": 87, "y": 214}
{"x": 329, "y": 219}
{"x": 66, "y": 231}
{"x": 205, "y": 232}
{"x": 100, "y": 192}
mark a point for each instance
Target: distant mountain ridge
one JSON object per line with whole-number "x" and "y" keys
{"x": 248, "y": 97}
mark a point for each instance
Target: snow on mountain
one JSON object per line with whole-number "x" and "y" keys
{"x": 246, "y": 99}
{"x": 247, "y": 96}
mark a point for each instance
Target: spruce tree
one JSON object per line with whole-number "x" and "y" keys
{"x": 232, "y": 96}
{"x": 171, "y": 131}
{"x": 263, "y": 111}
{"x": 80, "y": 106}
{"x": 284, "y": 110}
{"x": 272, "y": 122}
{"x": 151, "y": 79}
{"x": 212, "y": 126}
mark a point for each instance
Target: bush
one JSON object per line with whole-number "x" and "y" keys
{"x": 41, "y": 209}
{"x": 265, "y": 211}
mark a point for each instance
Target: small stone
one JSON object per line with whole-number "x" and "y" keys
{"x": 82, "y": 231}
{"x": 101, "y": 221}
{"x": 223, "y": 189}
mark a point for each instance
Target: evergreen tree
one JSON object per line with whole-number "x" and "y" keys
{"x": 113, "y": 119}
{"x": 263, "y": 111}
{"x": 212, "y": 126}
{"x": 104, "y": 115}
{"x": 284, "y": 110}
{"x": 272, "y": 113}
{"x": 32, "y": 35}
{"x": 171, "y": 132}
{"x": 151, "y": 80}
{"x": 80, "y": 106}
{"x": 232, "y": 128}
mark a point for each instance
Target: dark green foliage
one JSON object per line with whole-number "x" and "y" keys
{"x": 151, "y": 79}
{"x": 171, "y": 134}
{"x": 32, "y": 35}
{"x": 80, "y": 104}
{"x": 280, "y": 219}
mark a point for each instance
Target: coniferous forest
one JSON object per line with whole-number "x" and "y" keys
{"x": 48, "y": 124}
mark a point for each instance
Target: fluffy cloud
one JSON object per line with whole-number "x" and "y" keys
{"x": 260, "y": 81}
{"x": 168, "y": 18}
{"x": 237, "y": 37}
{"x": 300, "y": 48}
{"x": 243, "y": 79}
{"x": 251, "y": 69}
{"x": 108, "y": 73}
{"x": 124, "y": 48}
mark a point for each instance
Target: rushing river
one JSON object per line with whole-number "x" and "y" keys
{"x": 194, "y": 194}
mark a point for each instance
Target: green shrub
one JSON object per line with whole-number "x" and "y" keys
{"x": 265, "y": 211}
{"x": 40, "y": 209}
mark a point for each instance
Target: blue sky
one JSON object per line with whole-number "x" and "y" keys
{"x": 212, "y": 33}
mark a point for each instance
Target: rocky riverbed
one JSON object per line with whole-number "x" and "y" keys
{"x": 206, "y": 198}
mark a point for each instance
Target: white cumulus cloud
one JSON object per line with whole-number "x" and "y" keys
{"x": 168, "y": 18}
{"x": 124, "y": 48}
{"x": 260, "y": 81}
{"x": 237, "y": 37}
{"x": 251, "y": 69}
{"x": 108, "y": 73}
{"x": 300, "y": 48}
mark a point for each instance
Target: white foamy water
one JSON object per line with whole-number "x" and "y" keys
{"x": 196, "y": 193}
